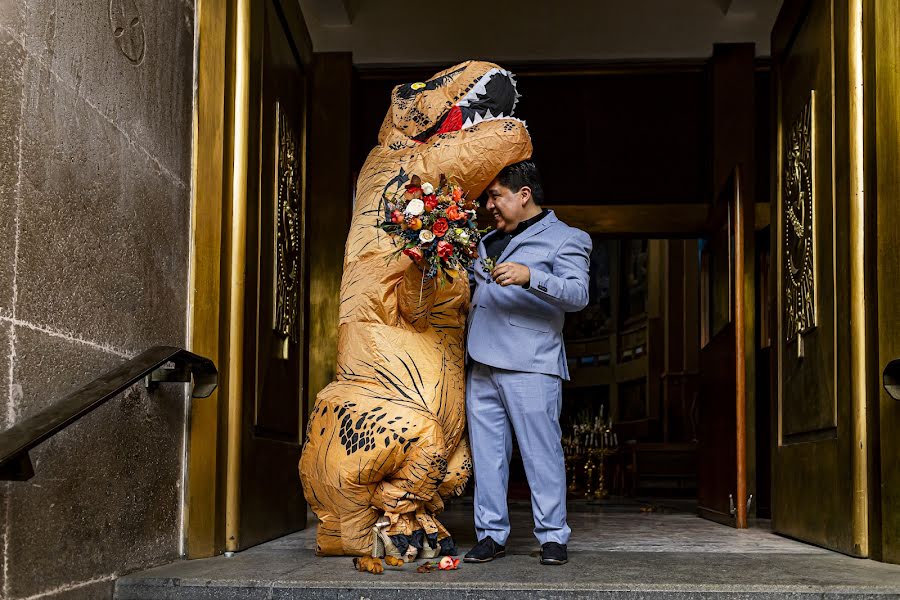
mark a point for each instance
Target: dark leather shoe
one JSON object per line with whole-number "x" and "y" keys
{"x": 484, "y": 551}
{"x": 554, "y": 554}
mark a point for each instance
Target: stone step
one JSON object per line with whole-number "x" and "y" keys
{"x": 283, "y": 573}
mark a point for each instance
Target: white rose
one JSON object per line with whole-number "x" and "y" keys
{"x": 426, "y": 236}
{"x": 427, "y": 189}
{"x": 415, "y": 207}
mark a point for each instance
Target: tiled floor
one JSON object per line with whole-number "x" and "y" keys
{"x": 612, "y": 526}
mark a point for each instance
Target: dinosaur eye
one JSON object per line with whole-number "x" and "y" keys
{"x": 417, "y": 86}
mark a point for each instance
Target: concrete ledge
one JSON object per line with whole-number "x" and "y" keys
{"x": 260, "y": 574}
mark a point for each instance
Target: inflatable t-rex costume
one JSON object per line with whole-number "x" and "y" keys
{"x": 385, "y": 440}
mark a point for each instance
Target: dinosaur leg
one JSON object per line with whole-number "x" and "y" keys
{"x": 403, "y": 495}
{"x": 459, "y": 469}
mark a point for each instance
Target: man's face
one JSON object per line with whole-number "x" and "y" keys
{"x": 507, "y": 207}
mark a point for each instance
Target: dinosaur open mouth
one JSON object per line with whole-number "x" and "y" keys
{"x": 492, "y": 97}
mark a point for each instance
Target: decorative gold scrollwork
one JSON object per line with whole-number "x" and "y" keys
{"x": 287, "y": 231}
{"x": 798, "y": 224}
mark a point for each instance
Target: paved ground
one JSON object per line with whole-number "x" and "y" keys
{"x": 616, "y": 552}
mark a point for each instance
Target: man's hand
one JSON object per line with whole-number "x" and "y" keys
{"x": 510, "y": 273}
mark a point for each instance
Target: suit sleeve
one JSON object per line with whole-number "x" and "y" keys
{"x": 567, "y": 286}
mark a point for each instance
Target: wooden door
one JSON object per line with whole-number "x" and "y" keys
{"x": 271, "y": 499}
{"x": 722, "y": 492}
{"x": 820, "y": 488}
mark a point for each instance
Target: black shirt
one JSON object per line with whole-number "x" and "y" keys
{"x": 497, "y": 243}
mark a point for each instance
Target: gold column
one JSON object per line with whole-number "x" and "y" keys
{"x": 858, "y": 343}
{"x": 204, "y": 498}
{"x": 237, "y": 275}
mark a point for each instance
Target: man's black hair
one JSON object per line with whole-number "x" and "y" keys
{"x": 521, "y": 174}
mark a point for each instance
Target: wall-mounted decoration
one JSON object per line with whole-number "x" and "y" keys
{"x": 287, "y": 231}
{"x": 798, "y": 225}
{"x": 127, "y": 26}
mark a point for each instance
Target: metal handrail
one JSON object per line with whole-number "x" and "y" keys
{"x": 160, "y": 364}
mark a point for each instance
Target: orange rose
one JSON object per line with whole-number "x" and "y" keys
{"x": 453, "y": 213}
{"x": 440, "y": 227}
{"x": 457, "y": 194}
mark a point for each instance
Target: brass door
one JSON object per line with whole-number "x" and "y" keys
{"x": 725, "y": 300}
{"x": 271, "y": 500}
{"x": 819, "y": 488}
{"x": 886, "y": 117}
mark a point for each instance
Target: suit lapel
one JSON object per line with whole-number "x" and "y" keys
{"x": 482, "y": 249}
{"x": 535, "y": 229}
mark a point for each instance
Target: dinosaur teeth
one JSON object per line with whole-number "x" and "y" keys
{"x": 478, "y": 119}
{"x": 468, "y": 122}
{"x": 488, "y": 115}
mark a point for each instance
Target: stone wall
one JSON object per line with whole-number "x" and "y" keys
{"x": 95, "y": 130}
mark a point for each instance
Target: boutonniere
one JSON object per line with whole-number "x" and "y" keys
{"x": 488, "y": 265}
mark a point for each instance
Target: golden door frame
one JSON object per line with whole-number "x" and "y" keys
{"x": 221, "y": 133}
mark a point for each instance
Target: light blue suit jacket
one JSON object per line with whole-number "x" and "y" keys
{"x": 520, "y": 329}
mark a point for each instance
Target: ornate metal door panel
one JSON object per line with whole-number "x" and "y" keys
{"x": 271, "y": 501}
{"x": 811, "y": 462}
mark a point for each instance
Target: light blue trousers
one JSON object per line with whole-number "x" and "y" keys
{"x": 499, "y": 403}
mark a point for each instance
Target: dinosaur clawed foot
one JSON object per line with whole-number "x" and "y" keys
{"x": 369, "y": 564}
{"x": 393, "y": 561}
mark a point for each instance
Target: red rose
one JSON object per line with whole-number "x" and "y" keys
{"x": 430, "y": 201}
{"x": 440, "y": 227}
{"x": 453, "y": 213}
{"x": 445, "y": 249}
{"x": 414, "y": 253}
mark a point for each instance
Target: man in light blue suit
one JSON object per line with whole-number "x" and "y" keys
{"x": 517, "y": 359}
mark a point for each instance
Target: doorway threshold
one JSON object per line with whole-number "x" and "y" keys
{"x": 618, "y": 551}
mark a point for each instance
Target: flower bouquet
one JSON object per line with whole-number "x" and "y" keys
{"x": 433, "y": 225}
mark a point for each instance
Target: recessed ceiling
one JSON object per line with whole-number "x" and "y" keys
{"x": 428, "y": 32}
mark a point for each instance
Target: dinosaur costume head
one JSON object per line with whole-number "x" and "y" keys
{"x": 385, "y": 441}
{"x": 452, "y": 100}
